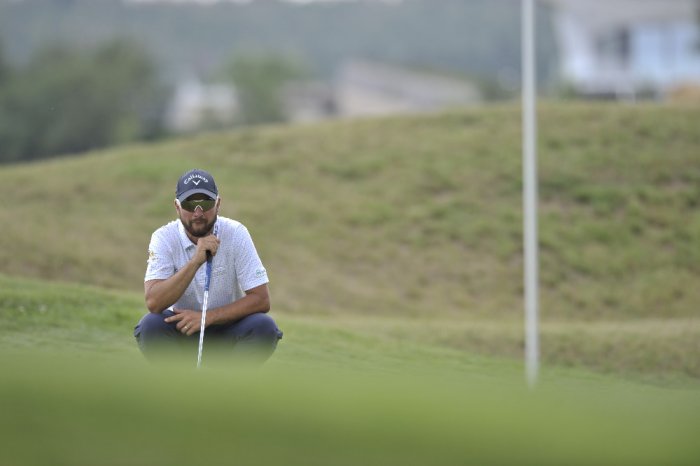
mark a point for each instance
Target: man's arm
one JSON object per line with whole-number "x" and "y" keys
{"x": 161, "y": 294}
{"x": 256, "y": 300}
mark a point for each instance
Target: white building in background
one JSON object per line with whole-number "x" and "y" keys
{"x": 361, "y": 88}
{"x": 309, "y": 101}
{"x": 368, "y": 89}
{"x": 618, "y": 48}
{"x": 198, "y": 106}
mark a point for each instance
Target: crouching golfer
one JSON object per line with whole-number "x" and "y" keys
{"x": 238, "y": 299}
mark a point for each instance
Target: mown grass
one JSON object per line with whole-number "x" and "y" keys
{"x": 75, "y": 391}
{"x": 60, "y": 315}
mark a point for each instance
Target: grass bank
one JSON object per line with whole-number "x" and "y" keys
{"x": 400, "y": 216}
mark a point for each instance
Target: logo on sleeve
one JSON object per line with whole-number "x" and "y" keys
{"x": 260, "y": 273}
{"x": 151, "y": 256}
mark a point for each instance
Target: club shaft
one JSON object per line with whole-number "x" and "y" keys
{"x": 205, "y": 303}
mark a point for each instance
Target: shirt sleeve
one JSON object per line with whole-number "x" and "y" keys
{"x": 249, "y": 268}
{"x": 160, "y": 260}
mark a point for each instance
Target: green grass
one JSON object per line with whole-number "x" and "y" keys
{"x": 394, "y": 250}
{"x": 400, "y": 216}
{"x": 83, "y": 411}
{"x": 75, "y": 391}
{"x": 415, "y": 221}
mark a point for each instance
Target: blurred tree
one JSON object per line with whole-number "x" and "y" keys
{"x": 69, "y": 101}
{"x": 697, "y": 23}
{"x": 259, "y": 81}
{"x": 4, "y": 66}
{"x": 473, "y": 37}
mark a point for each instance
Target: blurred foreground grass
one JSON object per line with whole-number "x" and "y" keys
{"x": 76, "y": 409}
{"x": 75, "y": 391}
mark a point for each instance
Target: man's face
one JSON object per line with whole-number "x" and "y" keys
{"x": 199, "y": 222}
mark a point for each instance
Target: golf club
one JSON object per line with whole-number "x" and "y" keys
{"x": 205, "y": 303}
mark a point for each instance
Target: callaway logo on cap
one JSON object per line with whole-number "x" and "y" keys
{"x": 194, "y": 182}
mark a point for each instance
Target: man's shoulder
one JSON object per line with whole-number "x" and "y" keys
{"x": 167, "y": 231}
{"x": 229, "y": 224}
{"x": 232, "y": 231}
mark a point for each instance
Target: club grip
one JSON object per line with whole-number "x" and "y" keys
{"x": 208, "y": 278}
{"x": 209, "y": 259}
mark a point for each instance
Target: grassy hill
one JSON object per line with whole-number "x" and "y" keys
{"x": 399, "y": 216}
{"x": 415, "y": 217}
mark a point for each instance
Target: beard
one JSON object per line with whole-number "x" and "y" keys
{"x": 199, "y": 228}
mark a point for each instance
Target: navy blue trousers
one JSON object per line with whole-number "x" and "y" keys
{"x": 254, "y": 337}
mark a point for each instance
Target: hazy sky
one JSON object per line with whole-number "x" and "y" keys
{"x": 248, "y": 1}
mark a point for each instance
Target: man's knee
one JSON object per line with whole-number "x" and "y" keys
{"x": 152, "y": 325}
{"x": 256, "y": 338}
{"x": 152, "y": 330}
{"x": 261, "y": 327}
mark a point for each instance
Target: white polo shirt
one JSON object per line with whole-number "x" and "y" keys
{"x": 236, "y": 267}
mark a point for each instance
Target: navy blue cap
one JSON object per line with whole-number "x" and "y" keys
{"x": 195, "y": 182}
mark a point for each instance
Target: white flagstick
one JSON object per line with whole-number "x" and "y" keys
{"x": 205, "y": 304}
{"x": 530, "y": 194}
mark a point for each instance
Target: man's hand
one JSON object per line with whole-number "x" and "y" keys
{"x": 208, "y": 243}
{"x": 188, "y": 322}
